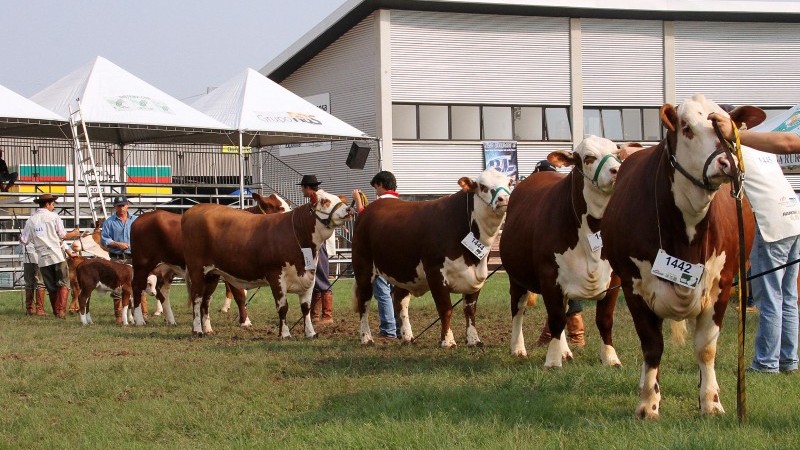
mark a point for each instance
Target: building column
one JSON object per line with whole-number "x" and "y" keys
{"x": 576, "y": 80}
{"x": 384, "y": 84}
{"x": 669, "y": 63}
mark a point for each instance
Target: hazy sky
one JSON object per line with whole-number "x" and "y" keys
{"x": 179, "y": 46}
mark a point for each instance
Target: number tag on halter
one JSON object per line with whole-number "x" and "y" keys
{"x": 677, "y": 270}
{"x": 475, "y": 246}
{"x": 595, "y": 241}
{"x": 308, "y": 258}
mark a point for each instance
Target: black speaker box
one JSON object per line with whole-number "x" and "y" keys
{"x": 357, "y": 156}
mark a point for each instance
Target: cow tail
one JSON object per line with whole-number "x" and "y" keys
{"x": 678, "y": 331}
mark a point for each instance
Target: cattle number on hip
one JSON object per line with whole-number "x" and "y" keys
{"x": 677, "y": 270}
{"x": 595, "y": 241}
{"x": 475, "y": 246}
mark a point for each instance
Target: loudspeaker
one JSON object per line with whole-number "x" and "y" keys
{"x": 357, "y": 156}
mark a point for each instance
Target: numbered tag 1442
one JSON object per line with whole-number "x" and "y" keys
{"x": 677, "y": 270}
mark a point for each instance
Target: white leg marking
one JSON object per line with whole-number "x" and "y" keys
{"x": 125, "y": 316}
{"x": 285, "y": 334}
{"x": 449, "y": 341}
{"x": 649, "y": 394}
{"x": 308, "y": 326}
{"x": 705, "y": 350}
{"x": 196, "y": 324}
{"x": 557, "y": 351}
{"x": 83, "y": 319}
{"x": 226, "y": 305}
{"x": 608, "y": 356}
{"x": 472, "y": 336}
{"x": 366, "y": 335}
{"x": 246, "y": 323}
{"x": 138, "y": 318}
{"x": 405, "y": 328}
{"x": 168, "y": 315}
{"x": 207, "y": 324}
{"x": 89, "y": 318}
{"x": 517, "y": 339}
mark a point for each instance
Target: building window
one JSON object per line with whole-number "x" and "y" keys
{"x": 434, "y": 122}
{"x": 623, "y": 124}
{"x": 480, "y": 122}
{"x": 404, "y": 121}
{"x": 466, "y": 123}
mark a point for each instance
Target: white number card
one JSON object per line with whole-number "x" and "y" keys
{"x": 595, "y": 241}
{"x": 475, "y": 246}
{"x": 677, "y": 270}
{"x": 308, "y": 258}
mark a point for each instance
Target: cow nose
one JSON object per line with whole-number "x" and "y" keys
{"x": 614, "y": 171}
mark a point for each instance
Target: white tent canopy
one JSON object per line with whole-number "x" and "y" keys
{"x": 118, "y": 107}
{"x": 22, "y": 117}
{"x": 269, "y": 114}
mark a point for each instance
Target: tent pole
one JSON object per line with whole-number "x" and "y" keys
{"x": 75, "y": 175}
{"x": 241, "y": 172}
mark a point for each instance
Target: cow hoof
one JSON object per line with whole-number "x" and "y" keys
{"x": 313, "y": 336}
{"x": 647, "y": 412}
{"x": 157, "y": 313}
{"x": 520, "y": 353}
{"x": 447, "y": 345}
{"x": 714, "y": 409}
{"x": 478, "y": 344}
{"x": 224, "y": 310}
{"x": 172, "y": 324}
{"x": 368, "y": 341}
{"x": 198, "y": 334}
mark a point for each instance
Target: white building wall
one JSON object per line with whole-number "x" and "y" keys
{"x": 347, "y": 70}
{"x": 622, "y": 62}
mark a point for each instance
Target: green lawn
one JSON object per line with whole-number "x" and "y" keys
{"x": 66, "y": 385}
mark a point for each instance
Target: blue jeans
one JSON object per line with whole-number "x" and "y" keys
{"x": 383, "y": 296}
{"x": 776, "y": 297}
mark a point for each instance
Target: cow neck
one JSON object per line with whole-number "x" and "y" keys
{"x": 482, "y": 221}
{"x": 691, "y": 200}
{"x": 304, "y": 226}
{"x": 591, "y": 197}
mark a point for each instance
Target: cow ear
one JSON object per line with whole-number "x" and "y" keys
{"x": 747, "y": 116}
{"x": 467, "y": 184}
{"x": 561, "y": 158}
{"x": 256, "y": 197}
{"x": 669, "y": 117}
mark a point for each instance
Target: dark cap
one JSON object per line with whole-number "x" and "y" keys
{"x": 309, "y": 180}
{"x": 544, "y": 166}
{"x": 45, "y": 198}
{"x": 121, "y": 200}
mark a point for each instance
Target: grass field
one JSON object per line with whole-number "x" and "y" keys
{"x": 103, "y": 386}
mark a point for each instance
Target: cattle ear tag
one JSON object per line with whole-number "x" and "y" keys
{"x": 677, "y": 270}
{"x": 308, "y": 258}
{"x": 595, "y": 241}
{"x": 475, "y": 246}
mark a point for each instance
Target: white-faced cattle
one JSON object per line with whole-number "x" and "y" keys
{"x": 249, "y": 250}
{"x": 98, "y": 273}
{"x": 157, "y": 248}
{"x": 417, "y": 247}
{"x": 668, "y": 216}
{"x": 551, "y": 244}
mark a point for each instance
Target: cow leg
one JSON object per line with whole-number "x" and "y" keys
{"x": 127, "y": 314}
{"x": 226, "y": 304}
{"x": 196, "y": 286}
{"x": 305, "y": 310}
{"x": 140, "y": 284}
{"x": 282, "y": 306}
{"x": 470, "y": 306}
{"x": 240, "y": 295}
{"x": 163, "y": 298}
{"x": 83, "y": 306}
{"x": 401, "y": 298}
{"x": 362, "y": 294}
{"x": 705, "y": 350}
{"x": 604, "y": 319}
{"x": 648, "y": 326}
{"x": 211, "y": 282}
{"x": 519, "y": 302}
{"x": 441, "y": 296}
{"x": 558, "y": 350}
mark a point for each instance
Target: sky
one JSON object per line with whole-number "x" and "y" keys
{"x": 182, "y": 47}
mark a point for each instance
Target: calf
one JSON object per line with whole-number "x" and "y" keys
{"x": 417, "y": 247}
{"x": 669, "y": 193}
{"x": 157, "y": 247}
{"x": 551, "y": 246}
{"x": 249, "y": 250}
{"x": 106, "y": 275}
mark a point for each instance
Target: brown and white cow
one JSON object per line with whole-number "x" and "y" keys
{"x": 157, "y": 249}
{"x": 98, "y": 273}
{"x": 551, "y": 246}
{"x": 249, "y": 250}
{"x": 417, "y": 247}
{"x": 674, "y": 198}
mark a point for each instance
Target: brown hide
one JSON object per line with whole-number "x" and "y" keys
{"x": 98, "y": 270}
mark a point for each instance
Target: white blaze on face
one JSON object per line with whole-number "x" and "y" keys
{"x": 150, "y": 289}
{"x": 597, "y": 164}
{"x": 330, "y": 206}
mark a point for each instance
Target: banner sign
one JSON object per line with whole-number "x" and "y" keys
{"x": 501, "y": 156}
{"x": 323, "y": 102}
{"x": 235, "y": 149}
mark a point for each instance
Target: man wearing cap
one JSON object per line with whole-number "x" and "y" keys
{"x": 116, "y": 237}
{"x": 45, "y": 230}
{"x": 322, "y": 298}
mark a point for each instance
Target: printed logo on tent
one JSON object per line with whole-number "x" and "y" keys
{"x": 138, "y": 103}
{"x": 791, "y": 123}
{"x": 288, "y": 117}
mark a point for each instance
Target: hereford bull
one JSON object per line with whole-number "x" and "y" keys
{"x": 667, "y": 220}
{"x": 249, "y": 250}
{"x": 551, "y": 246}
{"x": 157, "y": 248}
{"x": 417, "y": 247}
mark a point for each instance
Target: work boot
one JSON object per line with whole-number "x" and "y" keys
{"x": 316, "y": 306}
{"x": 29, "y": 306}
{"x": 61, "y": 302}
{"x": 544, "y": 337}
{"x": 327, "y": 308}
{"x": 118, "y": 310}
{"x": 575, "y": 330}
{"x": 40, "y": 293}
{"x": 53, "y": 295}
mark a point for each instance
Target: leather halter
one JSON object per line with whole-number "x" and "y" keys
{"x": 327, "y": 221}
{"x": 705, "y": 184}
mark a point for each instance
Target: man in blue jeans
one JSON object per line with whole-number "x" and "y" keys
{"x": 385, "y": 185}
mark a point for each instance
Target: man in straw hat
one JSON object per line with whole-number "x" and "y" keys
{"x": 45, "y": 230}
